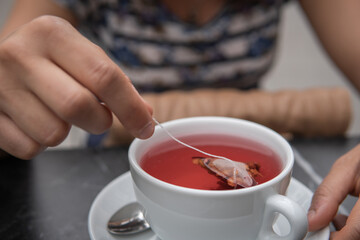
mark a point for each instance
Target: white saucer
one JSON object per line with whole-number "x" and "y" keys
{"x": 120, "y": 192}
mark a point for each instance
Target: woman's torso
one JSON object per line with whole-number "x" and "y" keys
{"x": 160, "y": 51}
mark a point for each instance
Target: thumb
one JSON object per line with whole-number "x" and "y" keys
{"x": 333, "y": 190}
{"x": 323, "y": 208}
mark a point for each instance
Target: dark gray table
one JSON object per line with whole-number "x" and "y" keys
{"x": 50, "y": 196}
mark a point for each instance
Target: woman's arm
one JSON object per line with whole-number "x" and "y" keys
{"x": 336, "y": 24}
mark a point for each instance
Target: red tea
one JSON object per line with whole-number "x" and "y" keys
{"x": 172, "y": 162}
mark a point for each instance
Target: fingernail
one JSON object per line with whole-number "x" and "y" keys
{"x": 146, "y": 131}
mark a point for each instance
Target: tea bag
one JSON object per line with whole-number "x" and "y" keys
{"x": 235, "y": 174}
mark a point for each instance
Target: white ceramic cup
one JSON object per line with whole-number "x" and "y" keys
{"x": 179, "y": 213}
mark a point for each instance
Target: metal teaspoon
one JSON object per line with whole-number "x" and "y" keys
{"x": 128, "y": 220}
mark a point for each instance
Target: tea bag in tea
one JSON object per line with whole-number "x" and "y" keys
{"x": 235, "y": 174}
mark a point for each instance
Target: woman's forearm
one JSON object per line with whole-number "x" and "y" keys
{"x": 336, "y": 24}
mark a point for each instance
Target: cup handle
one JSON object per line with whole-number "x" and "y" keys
{"x": 292, "y": 211}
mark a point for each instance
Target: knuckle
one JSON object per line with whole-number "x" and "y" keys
{"x": 73, "y": 104}
{"x": 48, "y": 27}
{"x": 103, "y": 76}
{"x": 104, "y": 124}
{"x": 48, "y": 23}
{"x": 29, "y": 151}
{"x": 321, "y": 195}
{"x": 55, "y": 135}
{"x": 131, "y": 112}
{"x": 37, "y": 31}
{"x": 12, "y": 49}
{"x": 323, "y": 191}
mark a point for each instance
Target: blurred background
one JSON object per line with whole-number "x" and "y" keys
{"x": 301, "y": 63}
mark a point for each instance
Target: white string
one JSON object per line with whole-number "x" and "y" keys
{"x": 194, "y": 148}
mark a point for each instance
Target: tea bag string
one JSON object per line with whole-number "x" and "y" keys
{"x": 187, "y": 145}
{"x": 196, "y": 149}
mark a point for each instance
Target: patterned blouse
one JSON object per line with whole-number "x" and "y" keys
{"x": 158, "y": 51}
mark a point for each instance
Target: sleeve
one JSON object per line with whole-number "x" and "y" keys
{"x": 313, "y": 112}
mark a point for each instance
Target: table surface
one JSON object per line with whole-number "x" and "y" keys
{"x": 49, "y": 197}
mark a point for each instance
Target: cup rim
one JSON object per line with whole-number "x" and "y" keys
{"x": 201, "y": 192}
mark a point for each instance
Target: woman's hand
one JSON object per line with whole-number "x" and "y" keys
{"x": 343, "y": 179}
{"x": 51, "y": 77}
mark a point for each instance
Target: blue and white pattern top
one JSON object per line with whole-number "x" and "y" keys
{"x": 158, "y": 51}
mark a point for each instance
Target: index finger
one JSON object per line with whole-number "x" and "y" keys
{"x": 334, "y": 189}
{"x": 89, "y": 65}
